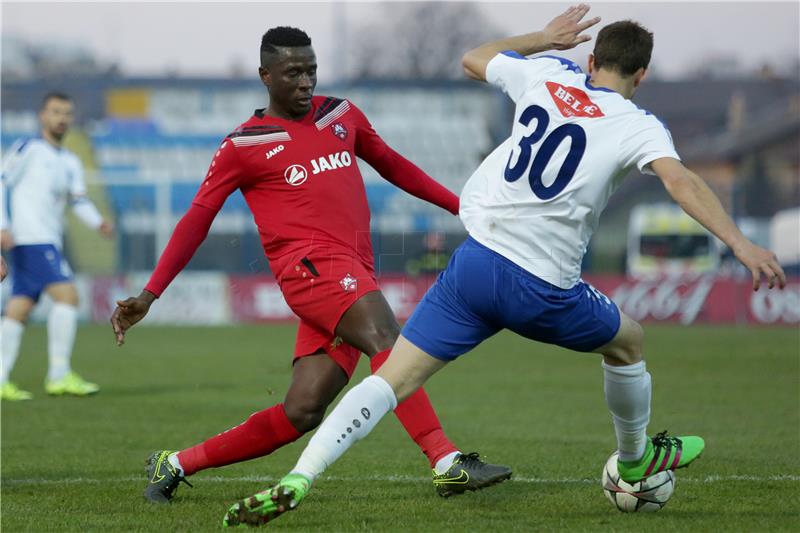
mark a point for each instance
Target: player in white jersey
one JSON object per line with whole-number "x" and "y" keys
{"x": 530, "y": 209}
{"x": 40, "y": 177}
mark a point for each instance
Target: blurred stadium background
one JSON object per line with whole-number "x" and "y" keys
{"x": 146, "y": 132}
{"x": 146, "y": 142}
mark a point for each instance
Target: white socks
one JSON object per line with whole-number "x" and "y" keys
{"x": 357, "y": 413}
{"x": 444, "y": 464}
{"x": 628, "y": 392}
{"x": 174, "y": 461}
{"x": 62, "y": 323}
{"x": 10, "y": 338}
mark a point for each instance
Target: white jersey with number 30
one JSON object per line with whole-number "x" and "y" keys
{"x": 536, "y": 199}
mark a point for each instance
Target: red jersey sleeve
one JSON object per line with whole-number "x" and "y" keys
{"x": 396, "y": 169}
{"x": 223, "y": 178}
{"x": 189, "y": 234}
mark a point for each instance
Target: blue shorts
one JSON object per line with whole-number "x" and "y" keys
{"x": 34, "y": 267}
{"x": 481, "y": 292}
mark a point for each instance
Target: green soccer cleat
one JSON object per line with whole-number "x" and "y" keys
{"x": 162, "y": 477}
{"x": 269, "y": 504}
{"x": 469, "y": 473}
{"x": 9, "y": 391}
{"x": 71, "y": 385}
{"x": 662, "y": 453}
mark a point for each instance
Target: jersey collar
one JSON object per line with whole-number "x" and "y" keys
{"x": 261, "y": 114}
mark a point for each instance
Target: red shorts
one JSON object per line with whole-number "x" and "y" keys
{"x": 319, "y": 288}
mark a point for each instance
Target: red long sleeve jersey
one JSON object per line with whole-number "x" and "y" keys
{"x": 301, "y": 181}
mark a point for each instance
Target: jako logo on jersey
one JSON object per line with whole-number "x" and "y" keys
{"x": 278, "y": 149}
{"x": 330, "y": 162}
{"x": 573, "y": 102}
{"x": 339, "y": 130}
{"x": 295, "y": 175}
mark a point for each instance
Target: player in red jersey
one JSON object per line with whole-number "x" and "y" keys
{"x": 295, "y": 163}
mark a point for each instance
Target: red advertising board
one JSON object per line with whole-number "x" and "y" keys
{"x": 257, "y": 298}
{"x": 707, "y": 299}
{"x": 684, "y": 300}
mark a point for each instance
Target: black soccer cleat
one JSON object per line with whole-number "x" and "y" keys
{"x": 163, "y": 478}
{"x": 469, "y": 473}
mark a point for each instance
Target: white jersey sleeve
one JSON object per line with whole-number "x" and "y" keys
{"x": 77, "y": 183}
{"x": 83, "y": 208}
{"x": 514, "y": 73}
{"x": 646, "y": 140}
{"x": 14, "y": 162}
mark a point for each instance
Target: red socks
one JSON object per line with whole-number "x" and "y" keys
{"x": 419, "y": 419}
{"x": 261, "y": 434}
{"x": 266, "y": 431}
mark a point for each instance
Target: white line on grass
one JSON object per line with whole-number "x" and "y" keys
{"x": 401, "y": 479}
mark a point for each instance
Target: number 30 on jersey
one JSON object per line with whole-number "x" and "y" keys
{"x": 545, "y": 153}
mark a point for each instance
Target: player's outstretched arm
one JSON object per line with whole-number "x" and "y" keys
{"x": 402, "y": 173}
{"x": 561, "y": 33}
{"x": 398, "y": 170}
{"x": 189, "y": 234}
{"x": 698, "y": 200}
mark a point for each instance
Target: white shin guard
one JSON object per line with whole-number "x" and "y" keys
{"x": 357, "y": 413}
{"x": 628, "y": 392}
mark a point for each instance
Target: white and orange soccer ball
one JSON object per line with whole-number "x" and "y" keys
{"x": 648, "y": 495}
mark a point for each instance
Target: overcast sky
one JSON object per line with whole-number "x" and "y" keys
{"x": 207, "y": 38}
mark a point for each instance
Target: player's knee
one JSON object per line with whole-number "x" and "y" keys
{"x": 382, "y": 336}
{"x": 627, "y": 347}
{"x": 17, "y": 316}
{"x": 637, "y": 339}
{"x": 629, "y": 351}
{"x": 63, "y": 292}
{"x": 306, "y": 415}
{"x": 68, "y": 297}
{"x": 18, "y": 312}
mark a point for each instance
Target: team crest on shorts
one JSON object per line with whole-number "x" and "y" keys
{"x": 348, "y": 283}
{"x": 339, "y": 130}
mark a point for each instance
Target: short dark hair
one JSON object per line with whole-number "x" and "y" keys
{"x": 54, "y": 95}
{"x": 282, "y": 36}
{"x": 624, "y": 47}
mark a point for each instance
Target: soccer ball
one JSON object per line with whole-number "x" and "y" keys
{"x": 648, "y": 495}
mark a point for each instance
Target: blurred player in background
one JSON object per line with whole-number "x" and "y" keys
{"x": 295, "y": 163}
{"x": 530, "y": 209}
{"x": 40, "y": 178}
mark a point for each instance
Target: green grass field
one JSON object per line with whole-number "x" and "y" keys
{"x": 77, "y": 464}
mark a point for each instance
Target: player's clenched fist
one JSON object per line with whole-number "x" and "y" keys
{"x": 129, "y": 312}
{"x": 3, "y": 269}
